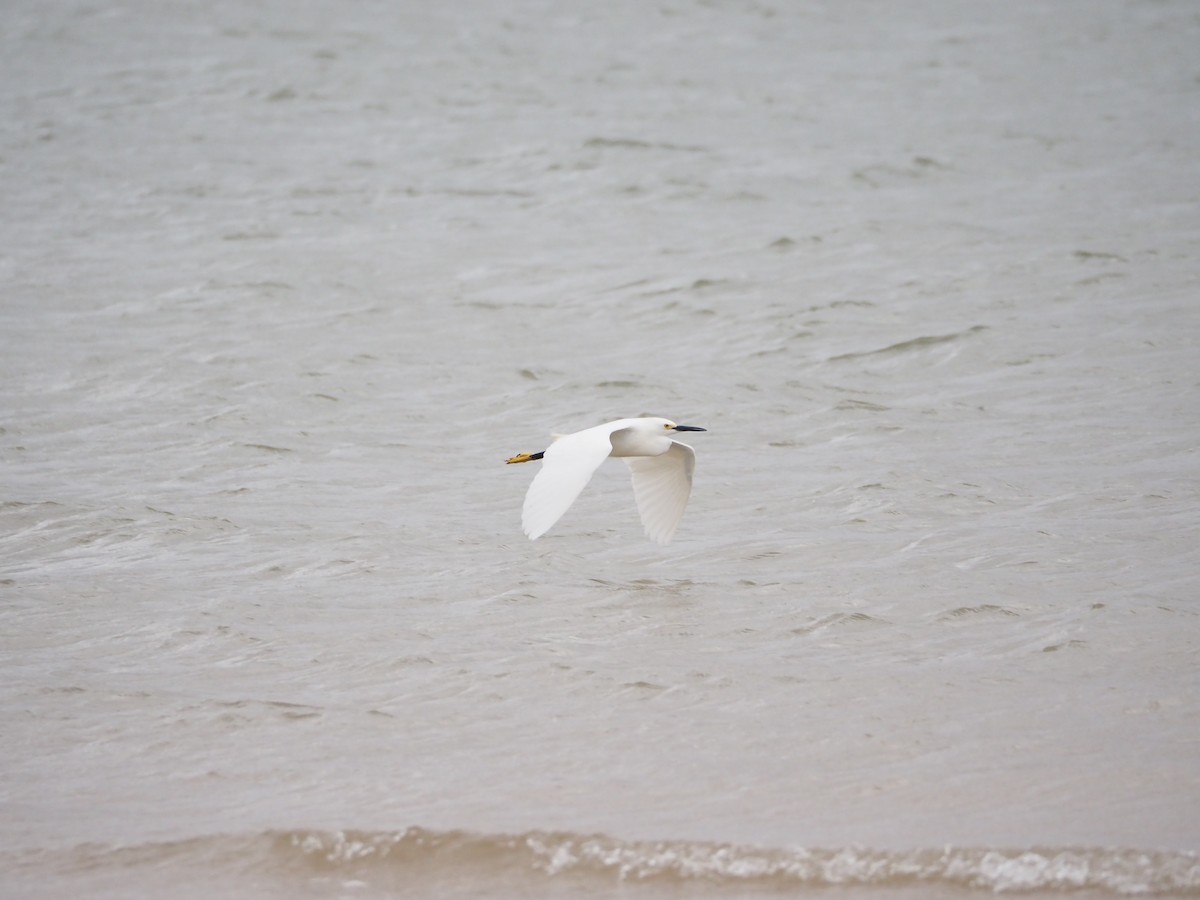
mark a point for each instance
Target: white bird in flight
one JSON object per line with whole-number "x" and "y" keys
{"x": 661, "y": 469}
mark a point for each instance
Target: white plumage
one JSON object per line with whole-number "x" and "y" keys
{"x": 661, "y": 468}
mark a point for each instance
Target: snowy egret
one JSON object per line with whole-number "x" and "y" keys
{"x": 661, "y": 469}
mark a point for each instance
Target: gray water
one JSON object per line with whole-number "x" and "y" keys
{"x": 283, "y": 284}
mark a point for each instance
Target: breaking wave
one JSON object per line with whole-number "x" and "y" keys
{"x": 418, "y": 861}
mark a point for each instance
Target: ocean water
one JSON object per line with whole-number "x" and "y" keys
{"x": 283, "y": 284}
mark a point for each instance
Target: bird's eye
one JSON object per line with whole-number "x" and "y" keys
{"x": 668, "y": 425}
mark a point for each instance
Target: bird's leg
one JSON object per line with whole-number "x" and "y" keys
{"x": 525, "y": 457}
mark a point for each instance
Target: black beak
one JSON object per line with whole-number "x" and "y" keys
{"x": 689, "y": 428}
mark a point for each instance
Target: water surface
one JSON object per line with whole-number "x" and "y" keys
{"x": 284, "y": 284}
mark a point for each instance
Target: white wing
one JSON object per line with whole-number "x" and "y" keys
{"x": 567, "y": 467}
{"x": 662, "y": 486}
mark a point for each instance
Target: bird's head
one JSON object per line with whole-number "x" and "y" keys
{"x": 667, "y": 426}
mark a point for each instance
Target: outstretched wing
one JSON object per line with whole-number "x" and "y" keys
{"x": 662, "y": 486}
{"x": 567, "y": 467}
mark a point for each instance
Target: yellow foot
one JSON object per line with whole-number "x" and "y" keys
{"x": 524, "y": 457}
